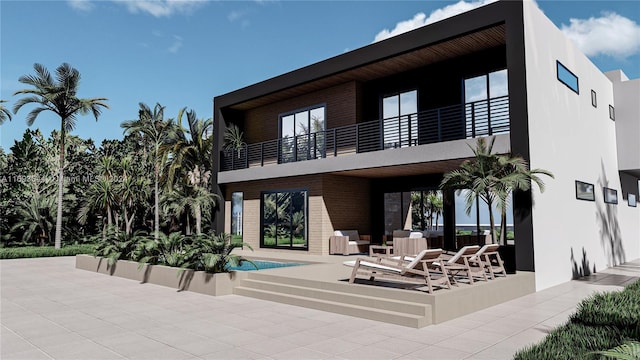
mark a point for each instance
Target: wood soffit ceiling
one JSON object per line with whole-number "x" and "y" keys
{"x": 439, "y": 167}
{"x": 456, "y": 47}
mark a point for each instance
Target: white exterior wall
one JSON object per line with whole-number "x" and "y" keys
{"x": 627, "y": 114}
{"x": 575, "y": 141}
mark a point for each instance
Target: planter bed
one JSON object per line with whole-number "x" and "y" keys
{"x": 187, "y": 280}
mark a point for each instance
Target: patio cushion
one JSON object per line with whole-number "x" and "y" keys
{"x": 352, "y": 234}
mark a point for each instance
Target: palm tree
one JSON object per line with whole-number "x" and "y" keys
{"x": 491, "y": 177}
{"x": 58, "y": 96}
{"x": 35, "y": 218}
{"x": 435, "y": 205}
{"x": 190, "y": 162}
{"x": 4, "y": 112}
{"x": 514, "y": 174}
{"x": 154, "y": 130}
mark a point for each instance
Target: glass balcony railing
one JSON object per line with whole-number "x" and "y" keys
{"x": 463, "y": 121}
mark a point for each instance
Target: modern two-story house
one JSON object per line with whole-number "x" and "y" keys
{"x": 341, "y": 144}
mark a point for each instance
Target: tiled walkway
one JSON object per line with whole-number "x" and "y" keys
{"x": 50, "y": 310}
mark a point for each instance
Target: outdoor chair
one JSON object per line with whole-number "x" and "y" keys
{"x": 491, "y": 260}
{"x": 347, "y": 242}
{"x": 465, "y": 261}
{"x": 421, "y": 270}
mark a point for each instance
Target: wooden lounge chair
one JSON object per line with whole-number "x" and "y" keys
{"x": 420, "y": 270}
{"x": 466, "y": 261}
{"x": 491, "y": 260}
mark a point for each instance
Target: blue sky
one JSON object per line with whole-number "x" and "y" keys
{"x": 183, "y": 53}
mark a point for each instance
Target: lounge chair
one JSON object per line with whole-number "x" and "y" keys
{"x": 467, "y": 261}
{"x": 421, "y": 269}
{"x": 491, "y": 260}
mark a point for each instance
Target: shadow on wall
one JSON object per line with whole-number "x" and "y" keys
{"x": 607, "y": 220}
{"x": 583, "y": 269}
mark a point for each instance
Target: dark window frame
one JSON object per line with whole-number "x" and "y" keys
{"x": 594, "y": 99}
{"x": 306, "y": 219}
{"x": 592, "y": 195}
{"x": 610, "y": 195}
{"x": 242, "y": 217}
{"x": 612, "y": 113}
{"x": 560, "y": 66}
{"x": 304, "y": 109}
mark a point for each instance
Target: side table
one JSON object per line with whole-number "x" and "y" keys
{"x": 380, "y": 250}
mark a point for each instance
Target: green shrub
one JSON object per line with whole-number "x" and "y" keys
{"x": 603, "y": 321}
{"x": 44, "y": 251}
{"x": 573, "y": 341}
{"x": 620, "y": 309}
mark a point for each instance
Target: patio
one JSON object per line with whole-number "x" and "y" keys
{"x": 51, "y": 310}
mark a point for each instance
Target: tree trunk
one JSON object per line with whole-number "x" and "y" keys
{"x": 492, "y": 222}
{"x": 503, "y": 227}
{"x": 198, "y": 214}
{"x": 58, "y": 240}
{"x": 188, "y": 229}
{"x": 128, "y": 222}
{"x": 157, "y": 200}
{"x": 109, "y": 217}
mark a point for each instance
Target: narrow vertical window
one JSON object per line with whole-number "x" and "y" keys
{"x": 567, "y": 77}
{"x": 594, "y": 100}
{"x": 612, "y": 113}
{"x": 237, "y": 205}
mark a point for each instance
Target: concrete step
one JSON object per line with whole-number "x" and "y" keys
{"x": 414, "y": 296}
{"x": 339, "y": 296}
{"x": 345, "y": 308}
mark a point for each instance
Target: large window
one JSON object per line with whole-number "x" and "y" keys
{"x": 567, "y": 77}
{"x": 427, "y": 210}
{"x": 487, "y": 104}
{"x": 399, "y": 112}
{"x": 237, "y": 205}
{"x": 284, "y": 219}
{"x": 474, "y": 226}
{"x": 302, "y": 134}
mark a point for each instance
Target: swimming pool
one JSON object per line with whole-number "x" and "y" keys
{"x": 262, "y": 264}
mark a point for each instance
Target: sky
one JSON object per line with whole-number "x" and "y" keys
{"x": 183, "y": 53}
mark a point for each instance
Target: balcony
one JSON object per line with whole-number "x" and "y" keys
{"x": 463, "y": 121}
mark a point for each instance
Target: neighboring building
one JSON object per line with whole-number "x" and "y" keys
{"x": 331, "y": 144}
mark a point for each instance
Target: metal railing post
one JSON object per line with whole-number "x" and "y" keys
{"x": 246, "y": 156}
{"x": 357, "y": 138}
{"x": 335, "y": 142}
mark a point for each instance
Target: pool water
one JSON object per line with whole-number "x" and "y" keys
{"x": 262, "y": 264}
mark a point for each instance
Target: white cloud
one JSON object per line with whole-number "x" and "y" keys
{"x": 611, "y": 34}
{"x": 235, "y": 15}
{"x": 161, "y": 8}
{"x": 80, "y": 5}
{"x": 177, "y": 44}
{"x": 239, "y": 16}
{"x": 420, "y": 19}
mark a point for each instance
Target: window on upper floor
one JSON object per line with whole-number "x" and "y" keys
{"x": 302, "y": 134}
{"x": 594, "y": 100}
{"x": 612, "y": 113}
{"x": 487, "y": 104}
{"x": 400, "y": 114}
{"x": 566, "y": 77}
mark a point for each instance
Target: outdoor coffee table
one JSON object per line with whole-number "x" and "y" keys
{"x": 380, "y": 250}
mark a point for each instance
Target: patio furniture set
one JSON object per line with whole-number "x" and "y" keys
{"x": 432, "y": 267}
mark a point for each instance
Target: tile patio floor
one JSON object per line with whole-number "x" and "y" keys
{"x": 50, "y": 310}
